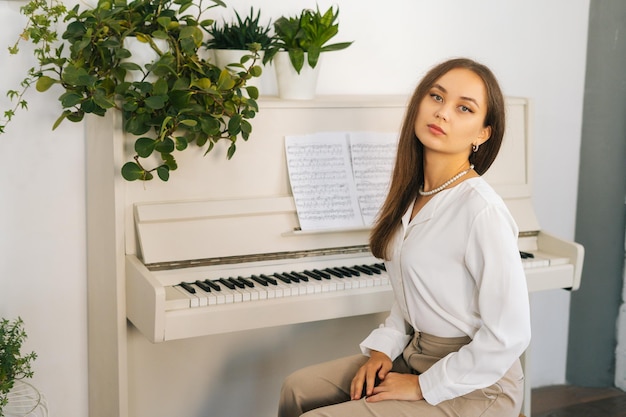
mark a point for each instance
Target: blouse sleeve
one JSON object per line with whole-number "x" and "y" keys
{"x": 390, "y": 337}
{"x": 492, "y": 258}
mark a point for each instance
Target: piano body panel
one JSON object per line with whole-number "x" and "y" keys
{"x": 550, "y": 278}
{"x": 227, "y": 318}
{"x": 145, "y": 300}
{"x": 575, "y": 252}
{"x": 178, "y": 231}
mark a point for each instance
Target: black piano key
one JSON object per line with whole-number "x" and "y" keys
{"x": 345, "y": 273}
{"x": 372, "y": 268}
{"x": 259, "y": 280}
{"x": 300, "y": 276}
{"x": 334, "y": 272}
{"x": 212, "y": 284}
{"x": 269, "y": 279}
{"x": 236, "y": 283}
{"x": 226, "y": 283}
{"x": 203, "y": 285}
{"x": 526, "y": 255}
{"x": 188, "y": 287}
{"x": 246, "y": 282}
{"x": 322, "y": 274}
{"x": 313, "y": 275}
{"x": 282, "y": 278}
{"x": 353, "y": 271}
{"x": 363, "y": 270}
{"x": 380, "y": 266}
{"x": 292, "y": 277}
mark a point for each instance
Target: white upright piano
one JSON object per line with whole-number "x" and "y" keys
{"x": 218, "y": 249}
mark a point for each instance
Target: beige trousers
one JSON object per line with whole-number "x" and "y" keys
{"x": 323, "y": 390}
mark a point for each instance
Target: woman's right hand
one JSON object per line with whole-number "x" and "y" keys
{"x": 378, "y": 365}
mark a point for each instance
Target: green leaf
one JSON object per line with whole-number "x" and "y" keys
{"x": 225, "y": 82}
{"x": 231, "y": 150}
{"x": 253, "y": 91}
{"x": 62, "y": 117}
{"x": 189, "y": 122}
{"x": 164, "y": 21}
{"x": 256, "y": 71}
{"x": 234, "y": 125}
{"x": 296, "y": 56}
{"x": 210, "y": 126}
{"x": 144, "y": 146}
{"x": 76, "y": 116}
{"x": 246, "y": 127}
{"x": 202, "y": 83}
{"x": 165, "y": 146}
{"x": 163, "y": 172}
{"x": 131, "y": 171}
{"x": 169, "y": 161}
{"x": 160, "y": 87}
{"x": 181, "y": 143}
{"x": 70, "y": 99}
{"x": 130, "y": 66}
{"x": 156, "y": 102}
{"x": 44, "y": 83}
{"x": 160, "y": 34}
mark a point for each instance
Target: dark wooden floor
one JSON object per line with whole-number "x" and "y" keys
{"x": 570, "y": 401}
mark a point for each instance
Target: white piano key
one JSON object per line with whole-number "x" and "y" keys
{"x": 203, "y": 299}
{"x": 253, "y": 294}
{"x": 261, "y": 291}
{"x": 220, "y": 297}
{"x": 245, "y": 294}
{"x": 193, "y": 300}
{"x": 232, "y": 296}
{"x": 339, "y": 283}
{"x": 286, "y": 289}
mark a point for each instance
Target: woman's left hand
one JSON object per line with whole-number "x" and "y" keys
{"x": 397, "y": 386}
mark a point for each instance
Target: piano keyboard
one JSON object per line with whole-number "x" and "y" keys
{"x": 258, "y": 287}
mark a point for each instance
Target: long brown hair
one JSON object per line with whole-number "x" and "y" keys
{"x": 408, "y": 173}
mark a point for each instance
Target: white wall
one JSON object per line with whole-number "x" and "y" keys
{"x": 536, "y": 48}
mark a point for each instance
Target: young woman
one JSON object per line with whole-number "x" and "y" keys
{"x": 460, "y": 320}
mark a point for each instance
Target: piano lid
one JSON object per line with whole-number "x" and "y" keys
{"x": 215, "y": 209}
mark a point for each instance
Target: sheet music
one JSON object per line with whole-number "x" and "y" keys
{"x": 339, "y": 179}
{"x": 321, "y": 181}
{"x": 373, "y": 157}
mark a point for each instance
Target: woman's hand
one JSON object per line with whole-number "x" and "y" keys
{"x": 378, "y": 365}
{"x": 397, "y": 386}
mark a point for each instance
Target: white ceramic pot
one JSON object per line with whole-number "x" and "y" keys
{"x": 291, "y": 85}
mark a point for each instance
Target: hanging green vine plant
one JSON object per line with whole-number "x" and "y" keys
{"x": 169, "y": 103}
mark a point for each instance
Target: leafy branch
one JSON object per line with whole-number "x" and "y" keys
{"x": 13, "y": 365}
{"x": 177, "y": 99}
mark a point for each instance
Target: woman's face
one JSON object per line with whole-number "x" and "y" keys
{"x": 451, "y": 115}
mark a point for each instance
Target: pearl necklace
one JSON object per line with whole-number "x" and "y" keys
{"x": 445, "y": 184}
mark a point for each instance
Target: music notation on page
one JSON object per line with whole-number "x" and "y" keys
{"x": 339, "y": 179}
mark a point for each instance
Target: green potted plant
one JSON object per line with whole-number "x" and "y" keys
{"x": 172, "y": 102}
{"x": 240, "y": 34}
{"x": 300, "y": 41}
{"x": 13, "y": 364}
{"x": 231, "y": 42}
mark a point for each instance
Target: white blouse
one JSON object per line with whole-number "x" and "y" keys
{"x": 456, "y": 271}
